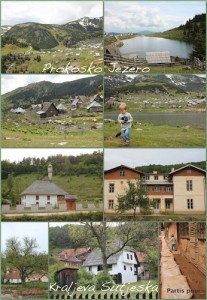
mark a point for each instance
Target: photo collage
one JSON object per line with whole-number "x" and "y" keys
{"x": 103, "y": 149}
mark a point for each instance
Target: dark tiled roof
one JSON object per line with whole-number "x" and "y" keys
{"x": 43, "y": 187}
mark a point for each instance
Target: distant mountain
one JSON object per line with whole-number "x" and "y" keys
{"x": 153, "y": 83}
{"x": 35, "y": 93}
{"x": 47, "y": 36}
{"x": 145, "y": 32}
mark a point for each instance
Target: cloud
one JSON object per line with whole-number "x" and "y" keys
{"x": 138, "y": 157}
{"x": 155, "y": 16}
{"x": 11, "y": 82}
{"x": 31, "y": 230}
{"x": 55, "y": 12}
{"x": 9, "y": 154}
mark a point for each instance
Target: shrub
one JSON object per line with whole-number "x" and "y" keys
{"x": 102, "y": 278}
{"x": 85, "y": 278}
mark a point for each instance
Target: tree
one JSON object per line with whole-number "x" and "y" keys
{"x": 23, "y": 256}
{"x": 136, "y": 196}
{"x": 106, "y": 236}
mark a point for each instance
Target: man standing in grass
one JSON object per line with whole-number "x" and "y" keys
{"x": 125, "y": 119}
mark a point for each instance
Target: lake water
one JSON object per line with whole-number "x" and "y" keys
{"x": 142, "y": 44}
{"x": 193, "y": 119}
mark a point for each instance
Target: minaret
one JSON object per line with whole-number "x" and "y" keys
{"x": 49, "y": 169}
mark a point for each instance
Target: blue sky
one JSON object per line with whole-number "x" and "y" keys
{"x": 144, "y": 157}
{"x": 48, "y": 12}
{"x": 25, "y": 229}
{"x": 156, "y": 16}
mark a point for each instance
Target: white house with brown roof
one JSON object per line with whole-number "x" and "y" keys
{"x": 181, "y": 191}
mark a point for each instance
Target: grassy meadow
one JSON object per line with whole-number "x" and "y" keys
{"x": 27, "y": 60}
{"x": 151, "y": 136}
{"x": 21, "y": 131}
{"x": 33, "y": 290}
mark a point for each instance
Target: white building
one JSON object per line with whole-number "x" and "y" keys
{"x": 123, "y": 266}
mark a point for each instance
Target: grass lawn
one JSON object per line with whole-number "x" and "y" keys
{"x": 21, "y": 139}
{"x": 175, "y": 217}
{"x": 87, "y": 216}
{"x": 173, "y": 69}
{"x": 58, "y": 57}
{"x": 151, "y": 136}
{"x": 31, "y": 290}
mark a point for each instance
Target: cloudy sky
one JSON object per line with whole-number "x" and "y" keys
{"x": 144, "y": 157}
{"x": 11, "y": 82}
{"x": 155, "y": 16}
{"x": 22, "y": 229}
{"x": 48, "y": 12}
{"x": 10, "y": 154}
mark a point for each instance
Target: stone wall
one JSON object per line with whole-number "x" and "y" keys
{"x": 6, "y": 209}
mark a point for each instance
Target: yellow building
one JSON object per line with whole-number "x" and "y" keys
{"x": 181, "y": 191}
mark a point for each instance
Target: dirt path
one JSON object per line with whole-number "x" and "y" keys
{"x": 195, "y": 278}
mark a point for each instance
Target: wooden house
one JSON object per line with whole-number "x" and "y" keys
{"x": 112, "y": 53}
{"x": 67, "y": 277}
{"x": 157, "y": 58}
{"x": 48, "y": 109}
{"x": 61, "y": 108}
{"x": 95, "y": 107}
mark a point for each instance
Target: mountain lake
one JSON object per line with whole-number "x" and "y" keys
{"x": 139, "y": 45}
{"x": 193, "y": 119}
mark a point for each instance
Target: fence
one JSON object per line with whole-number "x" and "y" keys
{"x": 108, "y": 295}
{"x": 35, "y": 208}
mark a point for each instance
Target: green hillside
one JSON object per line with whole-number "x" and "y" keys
{"x": 48, "y": 36}
{"x": 34, "y": 93}
{"x": 193, "y": 31}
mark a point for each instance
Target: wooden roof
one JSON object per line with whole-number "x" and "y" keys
{"x": 158, "y": 57}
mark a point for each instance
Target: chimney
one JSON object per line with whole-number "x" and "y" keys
{"x": 49, "y": 169}
{"x": 173, "y": 169}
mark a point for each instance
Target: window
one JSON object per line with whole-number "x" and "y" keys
{"x": 190, "y": 203}
{"x": 147, "y": 177}
{"x": 122, "y": 173}
{"x": 189, "y": 185}
{"x": 109, "y": 267}
{"x": 100, "y": 268}
{"x": 131, "y": 268}
{"x": 156, "y": 188}
{"x": 111, "y": 187}
{"x": 37, "y": 197}
{"x": 111, "y": 204}
{"x": 127, "y": 256}
{"x": 125, "y": 268}
{"x": 131, "y": 257}
{"x": 167, "y": 203}
{"x": 165, "y": 177}
{"x": 156, "y": 177}
{"x": 168, "y": 189}
{"x": 156, "y": 203}
{"x": 48, "y": 197}
{"x": 90, "y": 268}
{"x": 37, "y": 202}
